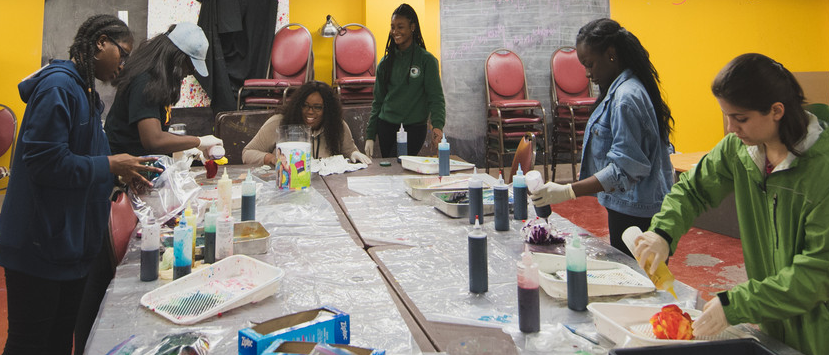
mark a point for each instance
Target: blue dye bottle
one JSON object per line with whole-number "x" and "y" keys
{"x": 443, "y": 157}
{"x": 182, "y": 249}
{"x": 150, "y": 243}
{"x": 248, "y": 199}
{"x": 478, "y": 277}
{"x": 576, "y": 275}
{"x": 476, "y": 198}
{"x": 501, "y": 197}
{"x": 402, "y": 146}
{"x": 519, "y": 194}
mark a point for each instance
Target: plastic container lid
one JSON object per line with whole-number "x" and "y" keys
{"x": 575, "y": 254}
{"x": 477, "y": 232}
{"x": 443, "y": 145}
{"x": 150, "y": 235}
{"x": 501, "y": 185}
{"x": 401, "y": 135}
{"x": 474, "y": 181}
{"x": 248, "y": 186}
{"x": 518, "y": 180}
{"x": 534, "y": 180}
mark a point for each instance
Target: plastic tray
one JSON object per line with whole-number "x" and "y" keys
{"x": 720, "y": 347}
{"x": 232, "y": 282}
{"x": 429, "y": 165}
{"x": 422, "y": 187}
{"x": 604, "y": 278}
{"x": 447, "y": 202}
{"x": 250, "y": 238}
{"x": 628, "y": 325}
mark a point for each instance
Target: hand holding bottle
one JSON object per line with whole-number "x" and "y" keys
{"x": 650, "y": 249}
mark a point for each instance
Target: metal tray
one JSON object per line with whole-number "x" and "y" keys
{"x": 250, "y": 238}
{"x": 422, "y": 187}
{"x": 455, "y": 203}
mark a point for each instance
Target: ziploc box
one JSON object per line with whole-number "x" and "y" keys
{"x": 282, "y": 347}
{"x": 321, "y": 325}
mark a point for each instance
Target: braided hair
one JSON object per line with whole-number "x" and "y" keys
{"x": 84, "y": 48}
{"x": 332, "y": 113}
{"x": 604, "y": 33}
{"x": 404, "y": 10}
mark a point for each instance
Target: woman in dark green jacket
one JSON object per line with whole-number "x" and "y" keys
{"x": 775, "y": 160}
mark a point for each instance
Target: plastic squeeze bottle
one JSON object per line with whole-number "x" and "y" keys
{"x": 534, "y": 182}
{"x": 662, "y": 278}
{"x": 528, "y": 304}
{"x": 476, "y": 198}
{"x": 210, "y": 234}
{"x": 225, "y": 187}
{"x": 150, "y": 242}
{"x": 478, "y": 277}
{"x": 576, "y": 275}
{"x": 248, "y": 199}
{"x": 402, "y": 146}
{"x": 191, "y": 221}
{"x": 501, "y": 197}
{"x": 443, "y": 157}
{"x": 519, "y": 194}
{"x": 224, "y": 236}
{"x": 183, "y": 259}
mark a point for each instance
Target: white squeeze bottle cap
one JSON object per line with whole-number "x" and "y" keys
{"x": 401, "y": 135}
{"x": 443, "y": 143}
{"x": 534, "y": 180}
{"x": 519, "y": 179}
{"x": 248, "y": 186}
{"x": 501, "y": 185}
{"x": 475, "y": 181}
{"x": 530, "y": 269}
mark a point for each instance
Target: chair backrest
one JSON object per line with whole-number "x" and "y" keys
{"x": 292, "y": 54}
{"x": 525, "y": 155}
{"x": 355, "y": 52}
{"x": 237, "y": 128}
{"x": 568, "y": 76}
{"x": 505, "y": 77}
{"x": 122, "y": 222}
{"x": 8, "y": 127}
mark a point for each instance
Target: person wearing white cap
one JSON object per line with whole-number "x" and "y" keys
{"x": 148, "y": 86}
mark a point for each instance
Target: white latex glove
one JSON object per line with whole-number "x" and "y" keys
{"x": 370, "y": 147}
{"x": 360, "y": 157}
{"x": 195, "y": 153}
{"x": 205, "y": 142}
{"x": 552, "y": 193}
{"x": 712, "y": 321}
{"x": 650, "y": 245}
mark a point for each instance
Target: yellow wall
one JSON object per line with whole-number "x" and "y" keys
{"x": 690, "y": 42}
{"x": 374, "y": 14}
{"x": 21, "y": 27}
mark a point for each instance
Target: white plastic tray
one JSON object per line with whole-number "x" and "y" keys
{"x": 422, "y": 187}
{"x": 629, "y": 325}
{"x": 227, "y": 284}
{"x": 429, "y": 165}
{"x": 604, "y": 278}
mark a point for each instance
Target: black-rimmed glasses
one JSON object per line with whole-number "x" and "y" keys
{"x": 124, "y": 53}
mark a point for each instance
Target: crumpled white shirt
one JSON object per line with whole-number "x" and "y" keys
{"x": 336, "y": 164}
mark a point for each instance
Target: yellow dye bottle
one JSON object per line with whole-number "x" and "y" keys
{"x": 191, "y": 221}
{"x": 662, "y": 278}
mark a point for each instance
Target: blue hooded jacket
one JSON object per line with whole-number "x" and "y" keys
{"x": 57, "y": 204}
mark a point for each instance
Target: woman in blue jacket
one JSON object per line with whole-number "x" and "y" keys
{"x": 57, "y": 204}
{"x": 625, "y": 159}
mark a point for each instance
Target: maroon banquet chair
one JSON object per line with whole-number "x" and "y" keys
{"x": 8, "y": 129}
{"x": 570, "y": 95}
{"x": 511, "y": 114}
{"x": 291, "y": 65}
{"x": 355, "y": 57}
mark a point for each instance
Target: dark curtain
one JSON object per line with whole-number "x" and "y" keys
{"x": 240, "y": 33}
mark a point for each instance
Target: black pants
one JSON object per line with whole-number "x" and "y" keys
{"x": 41, "y": 314}
{"x": 618, "y": 222}
{"x": 94, "y": 291}
{"x": 387, "y": 137}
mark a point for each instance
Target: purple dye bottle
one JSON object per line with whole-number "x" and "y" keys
{"x": 529, "y": 320}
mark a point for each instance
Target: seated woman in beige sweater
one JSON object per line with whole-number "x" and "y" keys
{"x": 314, "y": 105}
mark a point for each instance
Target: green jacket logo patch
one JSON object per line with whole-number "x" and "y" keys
{"x": 414, "y": 72}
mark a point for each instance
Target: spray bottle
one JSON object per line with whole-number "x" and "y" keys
{"x": 662, "y": 278}
{"x": 478, "y": 277}
{"x": 519, "y": 194}
{"x": 225, "y": 187}
{"x": 443, "y": 157}
{"x": 476, "y": 198}
{"x": 534, "y": 183}
{"x": 501, "y": 197}
{"x": 150, "y": 242}
{"x": 210, "y": 234}
{"x": 248, "y": 199}
{"x": 402, "y": 146}
{"x": 576, "y": 275}
{"x": 183, "y": 259}
{"x": 529, "y": 320}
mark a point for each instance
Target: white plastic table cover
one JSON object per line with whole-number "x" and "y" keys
{"x": 323, "y": 266}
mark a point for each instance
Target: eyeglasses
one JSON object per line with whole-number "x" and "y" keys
{"x": 316, "y": 108}
{"x": 124, "y": 53}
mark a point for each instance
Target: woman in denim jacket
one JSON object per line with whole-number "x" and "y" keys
{"x": 625, "y": 159}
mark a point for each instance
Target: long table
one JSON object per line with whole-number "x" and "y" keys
{"x": 398, "y": 266}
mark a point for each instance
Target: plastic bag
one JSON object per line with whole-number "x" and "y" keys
{"x": 193, "y": 342}
{"x": 171, "y": 191}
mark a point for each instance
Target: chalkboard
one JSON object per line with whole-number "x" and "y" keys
{"x": 471, "y": 29}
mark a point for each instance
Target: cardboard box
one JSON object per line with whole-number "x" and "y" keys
{"x": 282, "y": 347}
{"x": 321, "y": 325}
